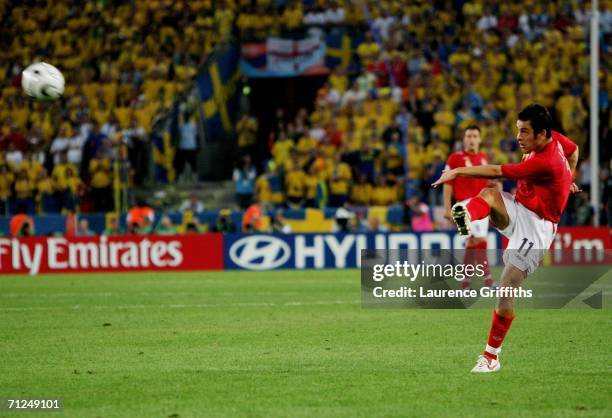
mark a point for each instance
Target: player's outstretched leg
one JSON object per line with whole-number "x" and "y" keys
{"x": 503, "y": 315}
{"x": 489, "y": 202}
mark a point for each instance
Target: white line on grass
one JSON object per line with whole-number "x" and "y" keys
{"x": 181, "y": 306}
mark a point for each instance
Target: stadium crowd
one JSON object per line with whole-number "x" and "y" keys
{"x": 424, "y": 71}
{"x": 123, "y": 63}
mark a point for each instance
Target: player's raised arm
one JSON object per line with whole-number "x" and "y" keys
{"x": 483, "y": 171}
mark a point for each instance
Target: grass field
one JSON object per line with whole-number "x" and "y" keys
{"x": 284, "y": 344}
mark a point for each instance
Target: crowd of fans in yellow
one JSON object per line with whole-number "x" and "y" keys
{"x": 453, "y": 63}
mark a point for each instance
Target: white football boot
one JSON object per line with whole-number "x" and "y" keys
{"x": 486, "y": 365}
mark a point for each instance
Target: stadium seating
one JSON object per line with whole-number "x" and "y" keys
{"x": 423, "y": 72}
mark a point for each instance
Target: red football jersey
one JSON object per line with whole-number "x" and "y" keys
{"x": 544, "y": 178}
{"x": 465, "y": 187}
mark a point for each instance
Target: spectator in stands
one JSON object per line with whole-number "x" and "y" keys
{"x": 339, "y": 182}
{"x": 224, "y": 222}
{"x": 60, "y": 143}
{"x": 193, "y": 204}
{"x": 192, "y": 227}
{"x": 74, "y": 190}
{"x": 113, "y": 227}
{"x": 368, "y": 50}
{"x": 83, "y": 229}
{"x": 420, "y": 219}
{"x": 247, "y": 134}
{"x": 74, "y": 149}
{"x": 13, "y": 157}
{"x": 31, "y": 165}
{"x": 187, "y": 148}
{"x": 583, "y": 209}
{"x": 374, "y": 225}
{"x": 165, "y": 227}
{"x": 361, "y": 192}
{"x": 6, "y": 184}
{"x": 487, "y": 20}
{"x": 94, "y": 142}
{"x": 135, "y": 137}
{"x": 278, "y": 224}
{"x": 253, "y": 217}
{"x": 383, "y": 193}
{"x": 244, "y": 178}
{"x": 133, "y": 228}
{"x": 101, "y": 182}
{"x": 24, "y": 192}
{"x": 111, "y": 127}
{"x": 343, "y": 219}
{"x": 21, "y": 224}
{"x": 146, "y": 226}
{"x": 294, "y": 184}
{"x": 312, "y": 187}
{"x": 434, "y": 170}
{"x": 14, "y": 137}
{"x": 45, "y": 193}
{"x": 139, "y": 212}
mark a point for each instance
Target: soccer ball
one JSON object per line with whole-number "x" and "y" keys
{"x": 43, "y": 82}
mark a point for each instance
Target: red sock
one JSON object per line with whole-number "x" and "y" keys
{"x": 469, "y": 259}
{"x": 499, "y": 328}
{"x": 478, "y": 208}
{"x": 480, "y": 257}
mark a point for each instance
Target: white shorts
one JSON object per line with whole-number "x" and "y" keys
{"x": 479, "y": 228}
{"x": 529, "y": 236}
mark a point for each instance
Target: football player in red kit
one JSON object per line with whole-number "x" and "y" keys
{"x": 462, "y": 189}
{"x": 529, "y": 218}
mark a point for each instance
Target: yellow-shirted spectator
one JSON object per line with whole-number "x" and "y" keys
{"x": 262, "y": 23}
{"x": 434, "y": 148}
{"x": 292, "y": 16}
{"x": 368, "y": 50}
{"x": 59, "y": 174}
{"x": 44, "y": 185}
{"x": 416, "y": 160}
{"x": 32, "y": 166}
{"x": 74, "y": 182}
{"x": 311, "y": 182}
{"x": 100, "y": 171}
{"x": 393, "y": 155}
{"x": 444, "y": 119}
{"x": 6, "y": 181}
{"x": 24, "y": 192}
{"x": 340, "y": 176}
{"x": 292, "y": 163}
{"x": 101, "y": 182}
{"x": 361, "y": 192}
{"x": 383, "y": 194}
{"x": 281, "y": 149}
{"x": 305, "y": 148}
{"x": 338, "y": 80}
{"x": 572, "y": 114}
{"x": 224, "y": 18}
{"x": 262, "y": 188}
{"x": 247, "y": 132}
{"x": 352, "y": 141}
{"x": 294, "y": 186}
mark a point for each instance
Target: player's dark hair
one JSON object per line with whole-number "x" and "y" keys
{"x": 472, "y": 127}
{"x": 538, "y": 116}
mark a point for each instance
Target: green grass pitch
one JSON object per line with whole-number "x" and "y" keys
{"x": 284, "y": 344}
